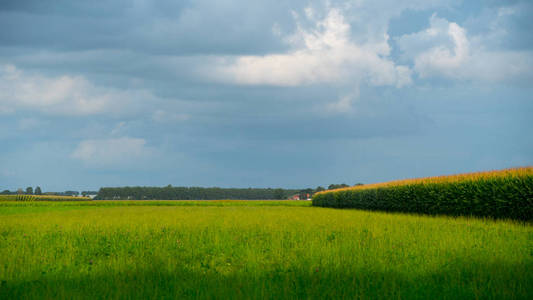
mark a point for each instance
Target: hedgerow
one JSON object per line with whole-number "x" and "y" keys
{"x": 506, "y": 194}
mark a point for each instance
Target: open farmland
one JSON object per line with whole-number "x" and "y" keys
{"x": 255, "y": 249}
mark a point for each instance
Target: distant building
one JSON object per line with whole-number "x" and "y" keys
{"x": 302, "y": 196}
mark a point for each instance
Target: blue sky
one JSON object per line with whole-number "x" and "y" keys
{"x": 261, "y": 93}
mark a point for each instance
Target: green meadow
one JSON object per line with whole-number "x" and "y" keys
{"x": 255, "y": 250}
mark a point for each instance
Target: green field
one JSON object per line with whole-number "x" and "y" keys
{"x": 255, "y": 249}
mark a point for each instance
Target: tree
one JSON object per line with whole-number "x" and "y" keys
{"x": 279, "y": 194}
{"x": 337, "y": 186}
{"x": 29, "y": 190}
{"x": 306, "y": 193}
{"x": 319, "y": 189}
{"x": 38, "y": 191}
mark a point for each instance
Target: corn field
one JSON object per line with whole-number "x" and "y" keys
{"x": 506, "y": 194}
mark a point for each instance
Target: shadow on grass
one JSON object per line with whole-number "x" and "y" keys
{"x": 456, "y": 280}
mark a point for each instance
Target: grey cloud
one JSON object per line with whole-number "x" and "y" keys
{"x": 162, "y": 27}
{"x": 505, "y": 26}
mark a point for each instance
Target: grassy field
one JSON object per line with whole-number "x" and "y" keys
{"x": 255, "y": 249}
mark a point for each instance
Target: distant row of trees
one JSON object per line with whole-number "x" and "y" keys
{"x": 307, "y": 193}
{"x": 30, "y": 191}
{"x": 184, "y": 193}
{"x": 340, "y": 186}
{"x": 191, "y": 193}
{"x": 200, "y": 193}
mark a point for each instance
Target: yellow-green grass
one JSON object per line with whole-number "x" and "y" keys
{"x": 95, "y": 203}
{"x": 250, "y": 250}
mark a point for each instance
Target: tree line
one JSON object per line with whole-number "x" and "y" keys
{"x": 30, "y": 191}
{"x": 191, "y": 193}
{"x": 201, "y": 193}
{"x": 183, "y": 193}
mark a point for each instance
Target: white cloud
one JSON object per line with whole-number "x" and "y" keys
{"x": 444, "y": 49}
{"x": 344, "y": 104}
{"x": 322, "y": 54}
{"x": 442, "y": 58}
{"x": 64, "y": 95}
{"x": 112, "y": 152}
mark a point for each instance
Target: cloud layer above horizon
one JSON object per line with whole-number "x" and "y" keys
{"x": 262, "y": 94}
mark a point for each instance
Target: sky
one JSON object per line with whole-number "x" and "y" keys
{"x": 236, "y": 93}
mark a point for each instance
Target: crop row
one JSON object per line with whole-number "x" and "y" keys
{"x": 504, "y": 194}
{"x": 41, "y": 198}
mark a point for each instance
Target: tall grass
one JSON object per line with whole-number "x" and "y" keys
{"x": 244, "y": 251}
{"x": 498, "y": 194}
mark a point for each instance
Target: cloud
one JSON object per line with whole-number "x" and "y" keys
{"x": 446, "y": 50}
{"x": 165, "y": 26}
{"x": 321, "y": 54}
{"x": 342, "y": 105}
{"x": 442, "y": 58}
{"x": 112, "y": 152}
{"x": 169, "y": 117}
{"x": 64, "y": 95}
